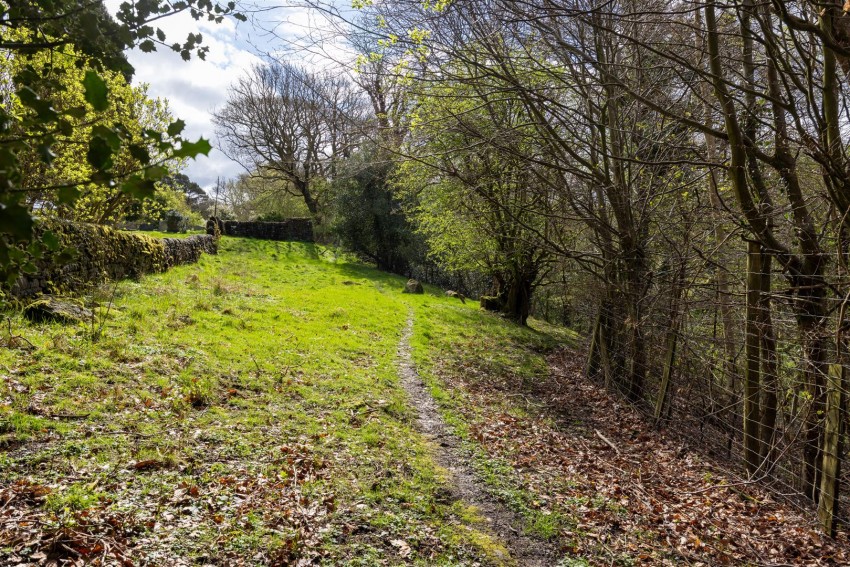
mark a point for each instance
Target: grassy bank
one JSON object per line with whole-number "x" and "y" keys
{"x": 244, "y": 410}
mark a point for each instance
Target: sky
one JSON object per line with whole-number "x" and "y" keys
{"x": 196, "y": 88}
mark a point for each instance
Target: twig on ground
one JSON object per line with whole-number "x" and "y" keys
{"x": 67, "y": 415}
{"x": 133, "y": 433}
{"x": 259, "y": 370}
{"x": 608, "y": 442}
{"x": 12, "y": 341}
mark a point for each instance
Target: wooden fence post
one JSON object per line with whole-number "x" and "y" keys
{"x": 669, "y": 359}
{"x": 828, "y": 501}
{"x": 752, "y": 364}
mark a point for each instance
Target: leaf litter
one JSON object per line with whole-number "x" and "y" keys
{"x": 625, "y": 492}
{"x": 159, "y": 523}
{"x": 138, "y": 485}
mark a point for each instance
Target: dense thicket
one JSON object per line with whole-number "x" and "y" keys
{"x": 680, "y": 166}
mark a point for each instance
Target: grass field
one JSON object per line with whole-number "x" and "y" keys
{"x": 247, "y": 410}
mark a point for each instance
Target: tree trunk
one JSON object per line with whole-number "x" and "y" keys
{"x": 605, "y": 335}
{"x": 303, "y": 187}
{"x": 678, "y": 287}
{"x": 669, "y": 359}
{"x": 814, "y": 377}
{"x": 753, "y": 358}
{"x": 770, "y": 379}
{"x": 517, "y": 304}
{"x": 635, "y": 287}
{"x": 828, "y": 503}
{"x": 594, "y": 362}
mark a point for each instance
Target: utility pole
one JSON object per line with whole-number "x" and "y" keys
{"x": 217, "y": 187}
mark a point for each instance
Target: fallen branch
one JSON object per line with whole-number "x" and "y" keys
{"x": 67, "y": 415}
{"x": 133, "y": 433}
{"x": 608, "y": 442}
{"x": 14, "y": 341}
{"x": 33, "y": 409}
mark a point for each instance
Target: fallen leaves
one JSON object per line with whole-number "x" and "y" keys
{"x": 35, "y": 535}
{"x": 148, "y": 465}
{"x": 628, "y": 490}
{"x": 401, "y": 546}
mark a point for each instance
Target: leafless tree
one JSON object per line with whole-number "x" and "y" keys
{"x": 283, "y": 121}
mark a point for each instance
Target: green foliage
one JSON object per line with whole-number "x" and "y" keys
{"x": 368, "y": 219}
{"x": 92, "y": 142}
{"x": 260, "y": 196}
{"x": 176, "y": 222}
{"x": 467, "y": 199}
{"x": 69, "y": 103}
{"x": 74, "y": 497}
{"x": 480, "y": 207}
{"x": 195, "y": 197}
{"x": 96, "y": 92}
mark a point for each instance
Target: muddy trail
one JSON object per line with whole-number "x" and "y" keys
{"x": 501, "y": 523}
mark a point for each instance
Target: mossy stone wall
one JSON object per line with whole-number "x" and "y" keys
{"x": 103, "y": 254}
{"x": 290, "y": 229}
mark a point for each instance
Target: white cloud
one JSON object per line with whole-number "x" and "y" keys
{"x": 196, "y": 88}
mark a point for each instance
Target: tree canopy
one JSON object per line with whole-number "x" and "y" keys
{"x": 65, "y": 90}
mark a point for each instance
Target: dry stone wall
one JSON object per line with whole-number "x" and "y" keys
{"x": 188, "y": 250}
{"x": 290, "y": 229}
{"x": 102, "y": 254}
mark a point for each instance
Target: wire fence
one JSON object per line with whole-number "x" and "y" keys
{"x": 755, "y": 394}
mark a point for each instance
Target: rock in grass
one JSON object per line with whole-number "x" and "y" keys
{"x": 53, "y": 309}
{"x": 413, "y": 286}
{"x": 452, "y": 293}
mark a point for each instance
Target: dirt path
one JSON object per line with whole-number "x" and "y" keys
{"x": 504, "y": 525}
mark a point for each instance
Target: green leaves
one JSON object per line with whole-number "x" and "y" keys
{"x": 99, "y": 154}
{"x": 43, "y": 108}
{"x": 67, "y": 195}
{"x": 16, "y": 220}
{"x": 50, "y": 240}
{"x": 176, "y": 127}
{"x": 140, "y": 153}
{"x": 193, "y": 149}
{"x": 109, "y": 135}
{"x": 139, "y": 187}
{"x": 96, "y": 91}
{"x": 143, "y": 186}
{"x": 73, "y": 117}
{"x": 46, "y": 153}
{"x": 155, "y": 173}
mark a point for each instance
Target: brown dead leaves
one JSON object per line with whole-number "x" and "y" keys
{"x": 286, "y": 495}
{"x": 35, "y": 536}
{"x": 629, "y": 491}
